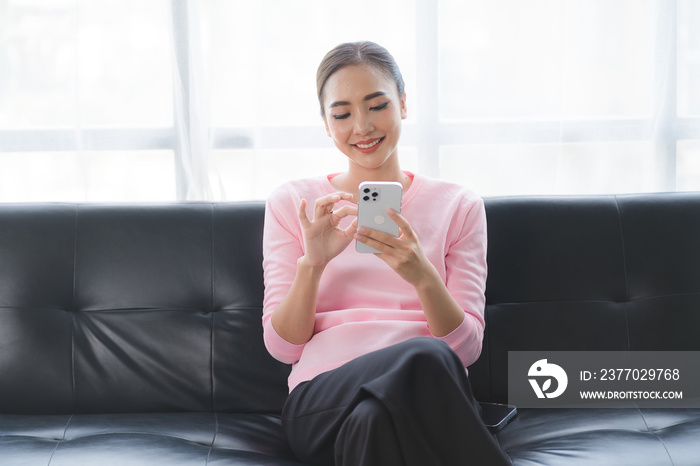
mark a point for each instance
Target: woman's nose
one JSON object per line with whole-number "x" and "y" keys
{"x": 363, "y": 124}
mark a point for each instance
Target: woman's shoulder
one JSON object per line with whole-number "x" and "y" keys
{"x": 452, "y": 207}
{"x": 446, "y": 192}
{"x": 308, "y": 188}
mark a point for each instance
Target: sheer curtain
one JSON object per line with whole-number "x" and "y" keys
{"x": 86, "y": 101}
{"x": 570, "y": 96}
{"x": 131, "y": 101}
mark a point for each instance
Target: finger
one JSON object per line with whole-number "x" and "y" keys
{"x": 332, "y": 198}
{"x": 351, "y": 230}
{"x": 303, "y": 218}
{"x": 324, "y": 205}
{"x": 401, "y": 222}
{"x": 345, "y": 210}
{"x": 379, "y": 236}
{"x": 364, "y": 239}
{"x": 345, "y": 196}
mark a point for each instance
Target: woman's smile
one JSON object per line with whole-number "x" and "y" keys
{"x": 369, "y": 145}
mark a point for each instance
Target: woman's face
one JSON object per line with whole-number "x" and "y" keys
{"x": 363, "y": 114}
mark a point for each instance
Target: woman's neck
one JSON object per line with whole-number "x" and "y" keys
{"x": 350, "y": 180}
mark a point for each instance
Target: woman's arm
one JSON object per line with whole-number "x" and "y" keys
{"x": 405, "y": 255}
{"x": 294, "y": 318}
{"x": 441, "y": 310}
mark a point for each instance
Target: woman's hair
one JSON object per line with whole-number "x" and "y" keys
{"x": 357, "y": 53}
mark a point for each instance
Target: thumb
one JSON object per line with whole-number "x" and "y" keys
{"x": 303, "y": 218}
{"x": 352, "y": 228}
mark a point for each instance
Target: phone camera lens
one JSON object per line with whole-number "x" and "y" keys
{"x": 375, "y": 194}
{"x": 366, "y": 190}
{"x": 366, "y": 198}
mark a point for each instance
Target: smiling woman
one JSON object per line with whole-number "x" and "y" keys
{"x": 379, "y": 343}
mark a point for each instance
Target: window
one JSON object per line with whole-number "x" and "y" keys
{"x": 86, "y": 105}
{"x": 169, "y": 100}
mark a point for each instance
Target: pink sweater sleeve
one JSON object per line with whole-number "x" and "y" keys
{"x": 282, "y": 246}
{"x": 466, "y": 271}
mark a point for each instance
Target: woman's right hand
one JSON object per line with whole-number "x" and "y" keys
{"x": 323, "y": 238}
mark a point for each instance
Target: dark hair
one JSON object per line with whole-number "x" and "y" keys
{"x": 357, "y": 53}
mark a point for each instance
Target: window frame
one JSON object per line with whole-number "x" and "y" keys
{"x": 427, "y": 133}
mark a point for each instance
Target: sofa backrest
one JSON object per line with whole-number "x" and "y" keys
{"x": 144, "y": 308}
{"x": 589, "y": 273}
{"x": 141, "y": 308}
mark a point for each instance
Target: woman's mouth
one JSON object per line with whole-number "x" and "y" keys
{"x": 368, "y": 146}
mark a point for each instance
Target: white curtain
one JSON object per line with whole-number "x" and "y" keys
{"x": 194, "y": 134}
{"x": 164, "y": 100}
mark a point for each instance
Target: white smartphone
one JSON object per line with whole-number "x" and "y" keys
{"x": 375, "y": 198}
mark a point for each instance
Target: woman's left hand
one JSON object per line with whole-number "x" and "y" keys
{"x": 404, "y": 253}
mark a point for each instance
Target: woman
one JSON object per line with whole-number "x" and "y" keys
{"x": 378, "y": 342}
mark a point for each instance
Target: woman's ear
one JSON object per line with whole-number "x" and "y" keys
{"x": 404, "y": 110}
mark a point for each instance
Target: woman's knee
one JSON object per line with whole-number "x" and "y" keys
{"x": 371, "y": 414}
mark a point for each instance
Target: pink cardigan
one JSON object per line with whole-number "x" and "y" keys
{"x": 363, "y": 305}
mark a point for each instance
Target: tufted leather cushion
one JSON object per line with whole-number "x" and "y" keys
{"x": 143, "y": 439}
{"x": 108, "y": 309}
{"x": 592, "y": 273}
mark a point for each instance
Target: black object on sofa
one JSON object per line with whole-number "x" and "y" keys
{"x": 131, "y": 334}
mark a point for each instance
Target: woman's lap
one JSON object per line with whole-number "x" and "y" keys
{"x": 425, "y": 393}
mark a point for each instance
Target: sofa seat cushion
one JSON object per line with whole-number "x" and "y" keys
{"x": 571, "y": 437}
{"x": 144, "y": 439}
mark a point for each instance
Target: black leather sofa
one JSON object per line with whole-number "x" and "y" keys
{"x": 131, "y": 334}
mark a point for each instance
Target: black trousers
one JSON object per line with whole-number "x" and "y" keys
{"x": 409, "y": 404}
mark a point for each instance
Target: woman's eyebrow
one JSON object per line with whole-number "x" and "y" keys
{"x": 371, "y": 96}
{"x": 339, "y": 103}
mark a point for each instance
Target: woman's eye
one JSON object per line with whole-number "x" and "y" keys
{"x": 380, "y": 107}
{"x": 341, "y": 117}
